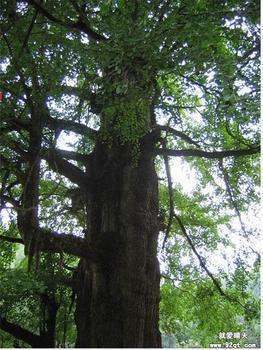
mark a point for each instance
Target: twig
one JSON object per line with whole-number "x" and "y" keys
{"x": 233, "y": 202}
{"x": 203, "y": 265}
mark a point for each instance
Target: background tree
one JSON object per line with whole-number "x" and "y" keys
{"x": 97, "y": 96}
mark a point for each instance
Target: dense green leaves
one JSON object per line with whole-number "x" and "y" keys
{"x": 208, "y": 314}
{"x": 191, "y": 66}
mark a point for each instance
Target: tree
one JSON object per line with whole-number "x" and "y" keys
{"x": 135, "y": 82}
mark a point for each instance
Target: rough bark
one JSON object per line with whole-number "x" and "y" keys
{"x": 118, "y": 296}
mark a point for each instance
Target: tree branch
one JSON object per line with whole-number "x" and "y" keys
{"x": 71, "y": 155}
{"x": 178, "y": 133}
{"x": 71, "y": 126}
{"x": 17, "y": 124}
{"x": 205, "y": 154}
{"x": 21, "y": 333}
{"x": 30, "y": 28}
{"x": 59, "y": 242}
{"x": 171, "y": 203}
{"x": 4, "y": 198}
{"x": 203, "y": 265}
{"x": 11, "y": 239}
{"x": 233, "y": 202}
{"x": 14, "y": 124}
{"x": 63, "y": 167}
{"x": 189, "y": 240}
{"x": 52, "y": 241}
{"x": 79, "y": 25}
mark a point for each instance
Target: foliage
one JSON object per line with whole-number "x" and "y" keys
{"x": 186, "y": 68}
{"x": 207, "y": 313}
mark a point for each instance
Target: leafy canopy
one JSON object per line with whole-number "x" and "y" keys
{"x": 115, "y": 71}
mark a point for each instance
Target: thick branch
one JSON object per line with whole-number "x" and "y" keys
{"x": 51, "y": 241}
{"x": 205, "y": 154}
{"x": 20, "y": 333}
{"x": 17, "y": 124}
{"x": 58, "y": 242}
{"x": 11, "y": 239}
{"x": 13, "y": 123}
{"x": 63, "y": 167}
{"x": 71, "y": 155}
{"x": 178, "y": 133}
{"x": 71, "y": 126}
{"x": 79, "y": 25}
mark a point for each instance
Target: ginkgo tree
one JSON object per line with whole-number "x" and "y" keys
{"x": 99, "y": 96}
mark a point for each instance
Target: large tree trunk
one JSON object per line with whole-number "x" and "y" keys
{"x": 118, "y": 296}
